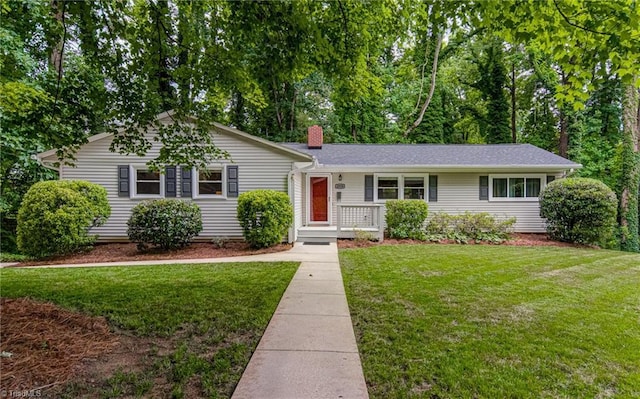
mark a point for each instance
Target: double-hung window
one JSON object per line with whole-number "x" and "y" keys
{"x": 525, "y": 188}
{"x": 146, "y": 183}
{"x": 400, "y": 186}
{"x": 388, "y": 187}
{"x": 414, "y": 187}
{"x": 210, "y": 182}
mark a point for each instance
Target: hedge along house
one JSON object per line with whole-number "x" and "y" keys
{"x": 335, "y": 189}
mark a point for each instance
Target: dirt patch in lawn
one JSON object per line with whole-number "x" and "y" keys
{"x": 517, "y": 239}
{"x": 119, "y": 252}
{"x": 51, "y": 352}
{"x": 42, "y": 344}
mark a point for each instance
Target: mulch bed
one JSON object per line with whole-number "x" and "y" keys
{"x": 119, "y": 252}
{"x": 42, "y": 344}
{"x": 517, "y": 239}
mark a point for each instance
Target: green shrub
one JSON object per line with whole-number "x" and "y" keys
{"x": 265, "y": 217}
{"x": 405, "y": 218}
{"x": 579, "y": 210}
{"x": 469, "y": 227}
{"x": 55, "y": 216}
{"x": 165, "y": 223}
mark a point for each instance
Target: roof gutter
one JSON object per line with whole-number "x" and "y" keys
{"x": 450, "y": 168}
{"x": 46, "y": 164}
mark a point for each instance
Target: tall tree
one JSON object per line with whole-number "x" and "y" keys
{"x": 630, "y": 170}
{"x": 589, "y": 40}
{"x": 492, "y": 83}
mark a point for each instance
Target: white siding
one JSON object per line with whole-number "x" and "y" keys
{"x": 259, "y": 167}
{"x": 353, "y": 192}
{"x": 457, "y": 193}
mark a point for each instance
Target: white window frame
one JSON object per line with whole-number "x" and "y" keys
{"x": 196, "y": 182}
{"x": 543, "y": 183}
{"x": 133, "y": 186}
{"x": 400, "y": 177}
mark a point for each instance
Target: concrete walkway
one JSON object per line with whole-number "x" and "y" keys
{"x": 308, "y": 349}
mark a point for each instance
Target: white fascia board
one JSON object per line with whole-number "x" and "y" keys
{"x": 449, "y": 168}
{"x": 302, "y": 165}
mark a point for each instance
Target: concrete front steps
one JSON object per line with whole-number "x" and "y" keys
{"x": 317, "y": 234}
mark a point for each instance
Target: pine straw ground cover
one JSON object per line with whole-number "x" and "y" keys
{"x": 483, "y": 321}
{"x": 42, "y": 343}
{"x": 144, "y": 331}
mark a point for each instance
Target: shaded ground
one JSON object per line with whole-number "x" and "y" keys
{"x": 119, "y": 252}
{"x": 518, "y": 239}
{"x": 178, "y": 331}
{"x": 58, "y": 353}
{"x": 42, "y": 344}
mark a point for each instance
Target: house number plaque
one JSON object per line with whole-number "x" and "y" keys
{"x": 340, "y": 186}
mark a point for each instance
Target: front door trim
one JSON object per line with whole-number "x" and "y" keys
{"x": 308, "y": 199}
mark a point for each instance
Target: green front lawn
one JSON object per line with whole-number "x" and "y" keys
{"x": 495, "y": 322}
{"x": 213, "y": 315}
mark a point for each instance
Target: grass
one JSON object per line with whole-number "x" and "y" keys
{"x": 214, "y": 314}
{"x": 491, "y": 321}
{"x": 11, "y": 257}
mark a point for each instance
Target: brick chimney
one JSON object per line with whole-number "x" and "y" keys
{"x": 314, "y": 137}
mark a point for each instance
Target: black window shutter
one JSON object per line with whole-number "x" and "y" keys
{"x": 232, "y": 181}
{"x": 550, "y": 179}
{"x": 170, "y": 180}
{"x": 433, "y": 188}
{"x": 368, "y": 187}
{"x": 484, "y": 188}
{"x": 186, "y": 181}
{"x": 123, "y": 180}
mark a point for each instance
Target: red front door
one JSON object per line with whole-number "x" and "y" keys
{"x": 319, "y": 199}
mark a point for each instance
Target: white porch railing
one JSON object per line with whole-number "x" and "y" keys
{"x": 366, "y": 218}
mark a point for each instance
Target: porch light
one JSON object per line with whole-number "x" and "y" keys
{"x": 340, "y": 177}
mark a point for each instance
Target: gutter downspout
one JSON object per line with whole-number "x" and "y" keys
{"x": 291, "y": 236}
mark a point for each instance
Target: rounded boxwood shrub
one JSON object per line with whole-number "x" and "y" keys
{"x": 405, "y": 218}
{"x": 265, "y": 217}
{"x": 579, "y": 210}
{"x": 164, "y": 223}
{"x": 55, "y": 217}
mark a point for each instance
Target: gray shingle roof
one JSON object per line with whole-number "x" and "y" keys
{"x": 431, "y": 155}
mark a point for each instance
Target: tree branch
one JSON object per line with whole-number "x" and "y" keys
{"x": 434, "y": 71}
{"x": 58, "y": 52}
{"x": 567, "y": 20}
{"x": 424, "y": 65}
{"x": 345, "y": 23}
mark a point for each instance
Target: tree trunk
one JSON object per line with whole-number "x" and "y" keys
{"x": 57, "y": 52}
{"x": 292, "y": 124}
{"x": 630, "y": 170}
{"x": 563, "y": 143}
{"x": 514, "y": 137}
{"x": 434, "y": 71}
